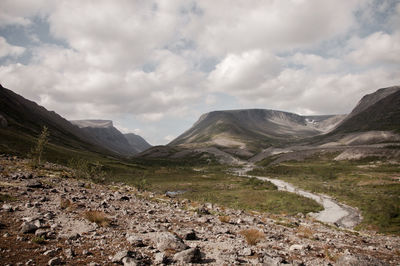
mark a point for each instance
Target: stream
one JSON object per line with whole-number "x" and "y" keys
{"x": 334, "y": 212}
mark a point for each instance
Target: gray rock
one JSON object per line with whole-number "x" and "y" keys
{"x": 7, "y": 207}
{"x": 191, "y": 255}
{"x": 167, "y": 240}
{"x": 135, "y": 241}
{"x": 189, "y": 235}
{"x": 355, "y": 260}
{"x": 120, "y": 255}
{"x": 54, "y": 261}
{"x": 160, "y": 258}
{"x": 34, "y": 184}
{"x": 128, "y": 261}
{"x": 296, "y": 247}
{"x": 69, "y": 253}
{"x": 50, "y": 252}
{"x": 245, "y": 252}
{"x": 27, "y": 228}
{"x": 268, "y": 261}
{"x": 41, "y": 233}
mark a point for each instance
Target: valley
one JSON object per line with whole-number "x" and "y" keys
{"x": 300, "y": 181}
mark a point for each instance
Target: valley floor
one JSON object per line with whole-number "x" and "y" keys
{"x": 49, "y": 217}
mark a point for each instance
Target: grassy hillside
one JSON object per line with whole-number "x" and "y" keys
{"x": 370, "y": 185}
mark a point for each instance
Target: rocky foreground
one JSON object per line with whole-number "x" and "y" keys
{"x": 50, "y": 218}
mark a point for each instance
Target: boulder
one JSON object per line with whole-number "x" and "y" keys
{"x": 168, "y": 240}
{"x": 191, "y": 255}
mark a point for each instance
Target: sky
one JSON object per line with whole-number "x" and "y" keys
{"x": 154, "y": 66}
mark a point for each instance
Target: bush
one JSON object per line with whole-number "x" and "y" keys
{"x": 85, "y": 170}
{"x": 224, "y": 219}
{"x": 37, "y": 151}
{"x": 97, "y": 217}
{"x": 253, "y": 236}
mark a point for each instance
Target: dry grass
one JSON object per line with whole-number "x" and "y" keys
{"x": 330, "y": 256}
{"x": 224, "y": 219}
{"x": 305, "y": 232}
{"x": 253, "y": 236}
{"x": 97, "y": 217}
{"x": 65, "y": 203}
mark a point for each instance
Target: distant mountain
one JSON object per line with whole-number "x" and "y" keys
{"x": 253, "y": 128}
{"x": 103, "y": 131}
{"x": 376, "y": 111}
{"x": 137, "y": 142}
{"x": 22, "y": 121}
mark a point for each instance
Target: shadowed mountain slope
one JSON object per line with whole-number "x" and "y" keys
{"x": 137, "y": 142}
{"x": 24, "y": 119}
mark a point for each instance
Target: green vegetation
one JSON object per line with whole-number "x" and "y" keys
{"x": 37, "y": 151}
{"x": 371, "y": 186}
{"x": 6, "y": 198}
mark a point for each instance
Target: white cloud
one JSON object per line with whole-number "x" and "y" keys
{"x": 161, "y": 62}
{"x": 7, "y": 49}
{"x": 376, "y": 48}
{"x": 225, "y": 27}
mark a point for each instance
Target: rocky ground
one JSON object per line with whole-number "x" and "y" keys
{"x": 49, "y": 218}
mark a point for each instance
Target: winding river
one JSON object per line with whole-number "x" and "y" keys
{"x": 334, "y": 212}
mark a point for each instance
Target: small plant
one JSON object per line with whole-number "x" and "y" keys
{"x": 304, "y": 232}
{"x": 37, "y": 151}
{"x": 6, "y": 198}
{"x": 86, "y": 170}
{"x": 39, "y": 240}
{"x": 224, "y": 219}
{"x": 97, "y": 217}
{"x": 65, "y": 203}
{"x": 253, "y": 236}
{"x": 141, "y": 185}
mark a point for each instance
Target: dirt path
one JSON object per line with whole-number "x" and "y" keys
{"x": 334, "y": 212}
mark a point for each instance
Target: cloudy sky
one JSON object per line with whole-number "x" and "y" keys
{"x": 154, "y": 66}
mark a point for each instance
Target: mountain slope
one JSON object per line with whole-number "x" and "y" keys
{"x": 376, "y": 111}
{"x": 137, "y": 142}
{"x": 23, "y": 120}
{"x": 252, "y": 128}
{"x": 103, "y": 131}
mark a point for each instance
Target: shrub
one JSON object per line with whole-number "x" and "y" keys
{"x": 97, "y": 217}
{"x": 38, "y": 240}
{"x": 37, "y": 151}
{"x": 85, "y": 170}
{"x": 253, "y": 236}
{"x": 304, "y": 232}
{"x": 65, "y": 203}
{"x": 224, "y": 219}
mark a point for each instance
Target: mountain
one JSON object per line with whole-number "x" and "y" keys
{"x": 137, "y": 142}
{"x": 253, "y": 128}
{"x": 376, "y": 111}
{"x": 103, "y": 131}
{"x": 22, "y": 121}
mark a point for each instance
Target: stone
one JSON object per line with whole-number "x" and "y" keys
{"x": 296, "y": 247}
{"x": 50, "y": 252}
{"x": 160, "y": 258}
{"x": 54, "y": 261}
{"x": 69, "y": 253}
{"x": 34, "y": 184}
{"x": 168, "y": 240}
{"x": 245, "y": 252}
{"x": 189, "y": 235}
{"x": 41, "y": 233}
{"x": 7, "y": 208}
{"x": 120, "y": 255}
{"x": 135, "y": 241}
{"x": 191, "y": 255}
{"x": 128, "y": 261}
{"x": 355, "y": 260}
{"x": 27, "y": 228}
